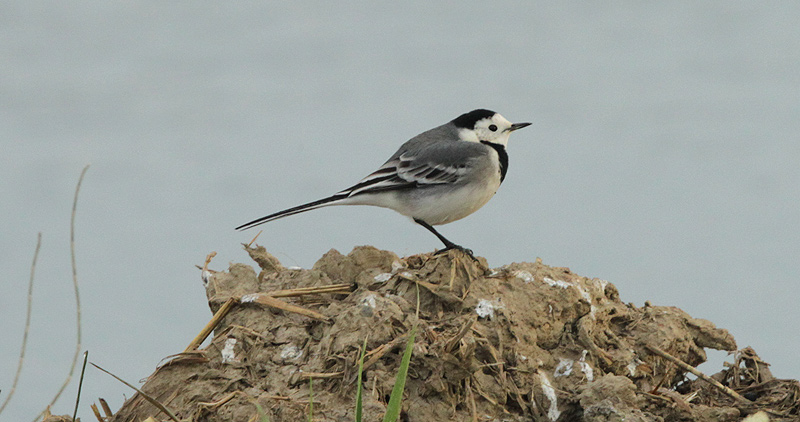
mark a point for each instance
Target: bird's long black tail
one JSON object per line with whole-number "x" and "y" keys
{"x": 294, "y": 210}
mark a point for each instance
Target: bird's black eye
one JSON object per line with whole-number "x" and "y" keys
{"x": 493, "y": 128}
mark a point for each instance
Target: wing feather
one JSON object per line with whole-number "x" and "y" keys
{"x": 405, "y": 171}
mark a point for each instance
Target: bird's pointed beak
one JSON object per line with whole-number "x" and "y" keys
{"x": 516, "y": 126}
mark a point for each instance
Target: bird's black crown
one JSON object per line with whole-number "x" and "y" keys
{"x": 468, "y": 120}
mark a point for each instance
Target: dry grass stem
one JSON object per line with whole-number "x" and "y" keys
{"x": 685, "y": 366}
{"x": 489, "y": 399}
{"x": 146, "y": 396}
{"x": 220, "y": 402}
{"x": 453, "y": 264}
{"x": 322, "y": 375}
{"x": 417, "y": 287}
{"x": 300, "y": 291}
{"x": 106, "y": 409}
{"x": 473, "y": 410}
{"x": 77, "y": 292}
{"x": 381, "y": 350}
{"x": 667, "y": 373}
{"x": 268, "y": 300}
{"x": 27, "y": 324}
{"x": 96, "y": 412}
{"x": 212, "y": 324}
{"x": 254, "y": 238}
{"x": 433, "y": 288}
{"x": 467, "y": 327}
{"x": 286, "y": 398}
{"x": 209, "y": 257}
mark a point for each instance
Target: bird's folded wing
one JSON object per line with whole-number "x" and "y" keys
{"x": 407, "y": 171}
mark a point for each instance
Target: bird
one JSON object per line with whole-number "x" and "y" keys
{"x": 437, "y": 177}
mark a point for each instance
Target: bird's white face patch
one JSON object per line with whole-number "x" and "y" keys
{"x": 495, "y": 129}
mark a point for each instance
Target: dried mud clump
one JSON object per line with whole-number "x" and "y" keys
{"x": 523, "y": 342}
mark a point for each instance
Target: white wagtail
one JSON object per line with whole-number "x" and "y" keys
{"x": 437, "y": 177}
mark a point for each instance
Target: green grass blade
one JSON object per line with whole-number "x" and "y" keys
{"x": 395, "y": 400}
{"x": 359, "y": 386}
{"x": 262, "y": 415}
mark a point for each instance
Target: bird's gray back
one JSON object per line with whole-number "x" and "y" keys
{"x": 441, "y": 145}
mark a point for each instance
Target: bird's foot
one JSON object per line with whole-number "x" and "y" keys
{"x": 453, "y": 246}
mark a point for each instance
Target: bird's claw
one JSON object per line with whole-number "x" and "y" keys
{"x": 464, "y": 250}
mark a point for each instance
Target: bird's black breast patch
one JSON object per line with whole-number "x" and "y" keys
{"x": 502, "y": 155}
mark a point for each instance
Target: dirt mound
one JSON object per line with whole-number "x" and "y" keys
{"x": 517, "y": 343}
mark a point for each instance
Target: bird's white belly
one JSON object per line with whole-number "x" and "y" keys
{"x": 448, "y": 204}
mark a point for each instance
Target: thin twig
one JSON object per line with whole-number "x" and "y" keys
{"x": 80, "y": 385}
{"x": 146, "y": 396}
{"x": 685, "y": 366}
{"x": 27, "y": 323}
{"x": 77, "y": 292}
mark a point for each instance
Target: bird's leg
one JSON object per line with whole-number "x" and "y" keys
{"x": 448, "y": 245}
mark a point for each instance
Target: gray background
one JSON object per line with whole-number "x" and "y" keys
{"x": 663, "y": 156}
